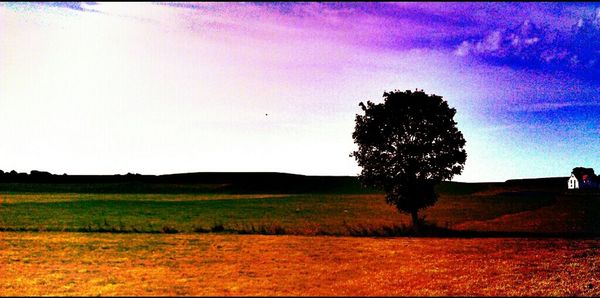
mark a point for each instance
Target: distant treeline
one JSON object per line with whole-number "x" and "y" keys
{"x": 214, "y": 182}
{"x": 46, "y": 177}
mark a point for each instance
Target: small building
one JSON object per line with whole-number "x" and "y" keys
{"x": 583, "y": 178}
{"x": 573, "y": 182}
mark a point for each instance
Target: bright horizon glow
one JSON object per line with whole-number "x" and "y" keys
{"x": 112, "y": 88}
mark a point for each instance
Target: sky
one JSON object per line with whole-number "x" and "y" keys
{"x": 158, "y": 88}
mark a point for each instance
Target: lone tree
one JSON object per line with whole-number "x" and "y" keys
{"x": 407, "y": 145}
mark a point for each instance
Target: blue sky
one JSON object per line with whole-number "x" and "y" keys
{"x": 105, "y": 88}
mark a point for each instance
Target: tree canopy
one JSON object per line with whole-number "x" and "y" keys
{"x": 406, "y": 145}
{"x": 580, "y": 171}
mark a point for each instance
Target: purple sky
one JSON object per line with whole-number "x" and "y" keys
{"x": 109, "y": 88}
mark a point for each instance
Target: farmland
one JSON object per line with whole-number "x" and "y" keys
{"x": 58, "y": 263}
{"x": 190, "y": 242}
{"x": 298, "y": 214}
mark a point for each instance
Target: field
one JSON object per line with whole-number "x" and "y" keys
{"x": 57, "y": 263}
{"x": 301, "y": 214}
{"x": 60, "y": 243}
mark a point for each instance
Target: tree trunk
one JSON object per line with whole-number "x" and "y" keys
{"x": 415, "y": 218}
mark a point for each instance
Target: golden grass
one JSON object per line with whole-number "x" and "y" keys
{"x": 209, "y": 264}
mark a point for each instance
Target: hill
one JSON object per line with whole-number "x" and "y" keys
{"x": 204, "y": 182}
{"x": 238, "y": 182}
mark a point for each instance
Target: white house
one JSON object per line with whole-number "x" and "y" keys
{"x": 573, "y": 182}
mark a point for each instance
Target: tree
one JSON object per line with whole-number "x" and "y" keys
{"x": 580, "y": 171}
{"x": 407, "y": 145}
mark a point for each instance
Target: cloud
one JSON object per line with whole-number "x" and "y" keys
{"x": 516, "y": 42}
{"x": 509, "y": 127}
{"x": 78, "y": 6}
{"x": 468, "y": 29}
{"x": 567, "y": 38}
{"x": 531, "y": 46}
{"x": 388, "y": 26}
{"x": 551, "y": 106}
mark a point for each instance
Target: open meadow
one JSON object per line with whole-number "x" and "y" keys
{"x": 498, "y": 209}
{"x": 55, "y": 243}
{"x": 58, "y": 263}
{"x": 290, "y": 214}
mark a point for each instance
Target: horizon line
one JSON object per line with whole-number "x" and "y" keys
{"x": 255, "y": 172}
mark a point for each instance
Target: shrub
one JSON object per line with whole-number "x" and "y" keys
{"x": 217, "y": 227}
{"x": 169, "y": 230}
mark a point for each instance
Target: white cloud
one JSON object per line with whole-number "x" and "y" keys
{"x": 463, "y": 49}
{"x": 550, "y": 106}
{"x": 490, "y": 44}
{"x": 528, "y": 45}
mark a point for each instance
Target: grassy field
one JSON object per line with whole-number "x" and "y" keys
{"x": 58, "y": 263}
{"x": 306, "y": 214}
{"x": 189, "y": 243}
